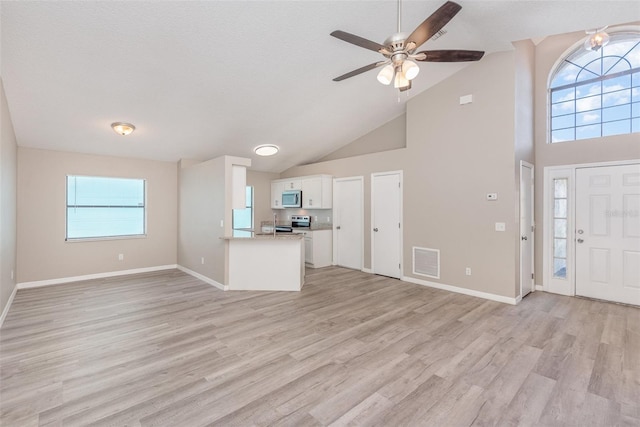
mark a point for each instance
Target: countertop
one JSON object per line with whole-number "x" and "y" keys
{"x": 267, "y": 236}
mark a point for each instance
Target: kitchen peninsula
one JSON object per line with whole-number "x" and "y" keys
{"x": 266, "y": 262}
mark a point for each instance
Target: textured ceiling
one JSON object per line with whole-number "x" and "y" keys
{"x": 202, "y": 79}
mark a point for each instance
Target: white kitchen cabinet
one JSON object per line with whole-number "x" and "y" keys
{"x": 318, "y": 248}
{"x": 277, "y": 187}
{"x": 317, "y": 192}
{"x": 292, "y": 184}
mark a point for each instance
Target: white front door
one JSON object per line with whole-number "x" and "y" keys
{"x": 608, "y": 233}
{"x": 348, "y": 222}
{"x": 526, "y": 228}
{"x": 386, "y": 236}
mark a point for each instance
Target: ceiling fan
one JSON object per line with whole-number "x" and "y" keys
{"x": 399, "y": 49}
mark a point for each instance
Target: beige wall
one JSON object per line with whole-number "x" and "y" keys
{"x": 202, "y": 207}
{"x": 390, "y": 136}
{"x": 8, "y": 188}
{"x": 455, "y": 155}
{"x": 43, "y": 252}
{"x": 619, "y": 147}
{"x": 261, "y": 183}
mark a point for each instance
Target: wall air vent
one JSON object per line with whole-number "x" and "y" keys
{"x": 426, "y": 262}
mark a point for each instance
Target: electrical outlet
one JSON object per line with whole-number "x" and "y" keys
{"x": 120, "y": 257}
{"x": 467, "y": 271}
{"x": 328, "y": 219}
{"x": 202, "y": 260}
{"x": 501, "y": 226}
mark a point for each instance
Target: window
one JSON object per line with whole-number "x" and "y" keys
{"x": 597, "y": 93}
{"x": 105, "y": 207}
{"x": 560, "y": 208}
{"x": 243, "y": 218}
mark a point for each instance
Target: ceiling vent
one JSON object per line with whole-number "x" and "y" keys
{"x": 426, "y": 262}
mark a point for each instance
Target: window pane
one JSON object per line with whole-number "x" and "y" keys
{"x": 616, "y": 98}
{"x": 635, "y": 79}
{"x": 560, "y": 228}
{"x": 562, "y": 108}
{"x": 249, "y": 196}
{"x": 635, "y": 109}
{"x": 242, "y": 218}
{"x": 588, "y": 90}
{"x": 584, "y": 132}
{"x": 562, "y": 95}
{"x": 635, "y": 125}
{"x": 616, "y": 113}
{"x": 561, "y": 122}
{"x": 560, "y": 208}
{"x": 565, "y": 74}
{"x": 560, "y": 188}
{"x": 563, "y": 135}
{"x": 616, "y": 83}
{"x": 588, "y": 104}
{"x": 104, "y": 222}
{"x": 102, "y": 191}
{"x": 616, "y": 128}
{"x": 560, "y": 268}
{"x": 588, "y": 118}
{"x": 560, "y": 248}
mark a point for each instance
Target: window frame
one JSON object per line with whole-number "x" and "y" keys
{"x": 114, "y": 237}
{"x": 630, "y": 31}
{"x": 251, "y": 226}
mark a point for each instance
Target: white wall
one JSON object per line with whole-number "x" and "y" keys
{"x": 44, "y": 254}
{"x": 8, "y": 191}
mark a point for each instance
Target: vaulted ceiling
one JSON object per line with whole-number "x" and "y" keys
{"x": 204, "y": 78}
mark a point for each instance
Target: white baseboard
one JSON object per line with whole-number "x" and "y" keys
{"x": 539, "y": 288}
{"x": 367, "y": 270}
{"x": 39, "y": 283}
{"x": 459, "y": 290}
{"x": 5, "y": 311}
{"x": 204, "y": 278}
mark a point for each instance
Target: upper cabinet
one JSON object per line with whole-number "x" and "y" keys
{"x": 277, "y": 187}
{"x": 316, "y": 191}
{"x": 292, "y": 184}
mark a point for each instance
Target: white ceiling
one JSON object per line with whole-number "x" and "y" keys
{"x": 202, "y": 79}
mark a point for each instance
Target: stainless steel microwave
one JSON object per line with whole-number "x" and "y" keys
{"x": 292, "y": 199}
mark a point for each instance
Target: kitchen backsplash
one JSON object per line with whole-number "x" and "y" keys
{"x": 318, "y": 216}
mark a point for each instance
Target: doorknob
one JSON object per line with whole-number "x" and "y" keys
{"x": 375, "y": 229}
{"x": 580, "y": 240}
{"x": 523, "y": 238}
{"x": 580, "y": 231}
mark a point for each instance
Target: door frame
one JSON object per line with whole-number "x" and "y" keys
{"x": 372, "y": 217}
{"x": 533, "y": 226}
{"x": 335, "y": 232}
{"x": 549, "y": 284}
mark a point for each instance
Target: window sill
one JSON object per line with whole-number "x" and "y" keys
{"x": 99, "y": 239}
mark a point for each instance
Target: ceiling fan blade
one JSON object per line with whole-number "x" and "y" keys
{"x": 357, "y": 40}
{"x": 360, "y": 70}
{"x": 433, "y": 23}
{"x": 450, "y": 55}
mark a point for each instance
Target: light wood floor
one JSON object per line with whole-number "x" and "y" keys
{"x": 350, "y": 349}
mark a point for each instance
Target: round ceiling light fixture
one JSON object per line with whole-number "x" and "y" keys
{"x": 122, "y": 128}
{"x": 266, "y": 150}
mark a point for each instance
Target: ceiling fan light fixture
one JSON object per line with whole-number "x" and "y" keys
{"x": 400, "y": 80}
{"x": 596, "y": 40}
{"x": 266, "y": 150}
{"x": 410, "y": 69}
{"x": 385, "y": 76}
{"x": 122, "y": 128}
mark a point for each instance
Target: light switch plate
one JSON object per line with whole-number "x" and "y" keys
{"x": 501, "y": 226}
{"x": 492, "y": 196}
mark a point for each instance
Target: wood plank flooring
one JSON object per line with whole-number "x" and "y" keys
{"x": 165, "y": 349}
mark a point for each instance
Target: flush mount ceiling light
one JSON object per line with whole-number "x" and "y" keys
{"x": 597, "y": 39}
{"x": 122, "y": 128}
{"x": 266, "y": 150}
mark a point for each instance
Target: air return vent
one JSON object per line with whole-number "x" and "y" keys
{"x": 426, "y": 262}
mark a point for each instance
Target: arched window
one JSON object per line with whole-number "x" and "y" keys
{"x": 596, "y": 93}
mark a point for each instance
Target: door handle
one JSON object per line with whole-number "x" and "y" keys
{"x": 375, "y": 229}
{"x": 338, "y": 227}
{"x": 580, "y": 240}
{"x": 523, "y": 238}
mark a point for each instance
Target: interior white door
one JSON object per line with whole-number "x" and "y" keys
{"x": 386, "y": 239}
{"x": 526, "y": 229}
{"x": 608, "y": 233}
{"x": 348, "y": 232}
